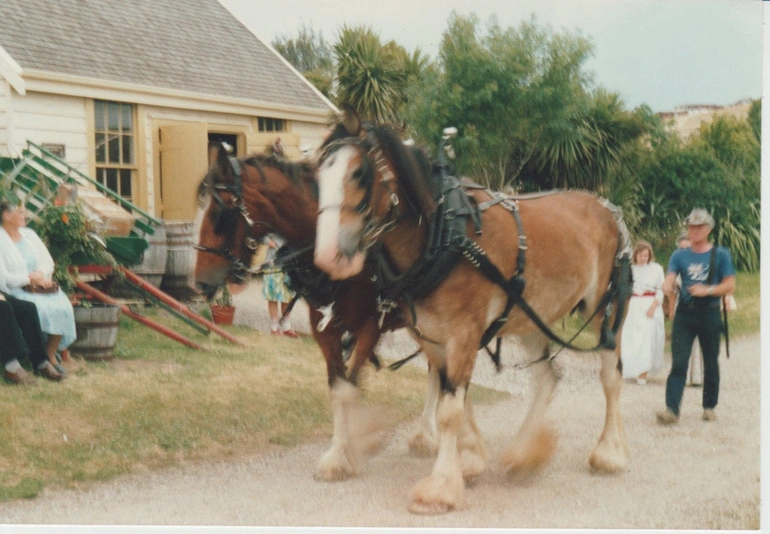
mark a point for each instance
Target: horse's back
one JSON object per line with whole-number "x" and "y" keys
{"x": 571, "y": 246}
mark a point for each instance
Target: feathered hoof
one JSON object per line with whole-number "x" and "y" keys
{"x": 473, "y": 465}
{"x": 423, "y": 445}
{"x": 436, "y": 495}
{"x": 608, "y": 459}
{"x": 521, "y": 462}
{"x": 333, "y": 467}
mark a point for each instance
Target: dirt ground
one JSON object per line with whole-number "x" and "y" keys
{"x": 693, "y": 475}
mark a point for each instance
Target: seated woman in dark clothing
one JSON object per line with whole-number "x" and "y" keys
{"x": 21, "y": 336}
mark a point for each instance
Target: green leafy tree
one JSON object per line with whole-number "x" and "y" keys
{"x": 718, "y": 169}
{"x": 310, "y": 54}
{"x": 522, "y": 103}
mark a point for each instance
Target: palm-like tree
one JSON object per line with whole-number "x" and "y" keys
{"x": 370, "y": 77}
{"x": 582, "y": 148}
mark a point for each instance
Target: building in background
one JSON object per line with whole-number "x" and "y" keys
{"x": 132, "y": 93}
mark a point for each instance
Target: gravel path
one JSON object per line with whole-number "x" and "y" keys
{"x": 694, "y": 475}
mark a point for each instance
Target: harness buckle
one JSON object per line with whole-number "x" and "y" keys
{"x": 384, "y": 306}
{"x": 245, "y": 214}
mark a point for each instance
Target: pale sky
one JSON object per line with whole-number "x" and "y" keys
{"x": 663, "y": 53}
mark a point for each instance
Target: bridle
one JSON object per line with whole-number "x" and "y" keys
{"x": 227, "y": 220}
{"x": 373, "y": 160}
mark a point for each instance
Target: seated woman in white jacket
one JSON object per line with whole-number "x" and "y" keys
{"x": 25, "y": 261}
{"x": 643, "y": 337}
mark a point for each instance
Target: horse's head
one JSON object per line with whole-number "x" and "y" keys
{"x": 243, "y": 200}
{"x": 369, "y": 182}
{"x": 225, "y": 246}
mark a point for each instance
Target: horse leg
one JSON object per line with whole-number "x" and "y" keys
{"x": 473, "y": 451}
{"x": 424, "y": 442}
{"x": 611, "y": 452}
{"x": 443, "y": 490}
{"x": 535, "y": 442}
{"x": 366, "y": 424}
{"x": 334, "y": 463}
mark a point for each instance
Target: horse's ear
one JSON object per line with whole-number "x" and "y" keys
{"x": 223, "y": 160}
{"x": 350, "y": 120}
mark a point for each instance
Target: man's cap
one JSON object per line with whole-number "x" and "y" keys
{"x": 699, "y": 216}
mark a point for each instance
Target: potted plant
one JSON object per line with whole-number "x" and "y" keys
{"x": 67, "y": 232}
{"x": 68, "y": 235}
{"x": 222, "y": 309}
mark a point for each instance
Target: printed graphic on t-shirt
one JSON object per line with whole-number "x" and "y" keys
{"x": 697, "y": 272}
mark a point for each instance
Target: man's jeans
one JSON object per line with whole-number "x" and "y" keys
{"x": 706, "y": 325}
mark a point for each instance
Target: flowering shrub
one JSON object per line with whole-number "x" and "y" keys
{"x": 66, "y": 232}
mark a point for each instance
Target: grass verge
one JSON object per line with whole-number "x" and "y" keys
{"x": 158, "y": 403}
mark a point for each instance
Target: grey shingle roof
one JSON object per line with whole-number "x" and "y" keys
{"x": 191, "y": 45}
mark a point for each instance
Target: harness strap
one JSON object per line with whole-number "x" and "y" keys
{"x": 515, "y": 287}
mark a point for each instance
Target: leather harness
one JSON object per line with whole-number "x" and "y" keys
{"x": 448, "y": 242}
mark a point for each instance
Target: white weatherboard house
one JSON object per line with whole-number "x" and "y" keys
{"x": 132, "y": 92}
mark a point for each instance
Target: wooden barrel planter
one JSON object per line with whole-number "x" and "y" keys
{"x": 180, "y": 257}
{"x": 97, "y": 331}
{"x": 153, "y": 264}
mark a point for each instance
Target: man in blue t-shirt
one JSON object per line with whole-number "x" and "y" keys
{"x": 697, "y": 313}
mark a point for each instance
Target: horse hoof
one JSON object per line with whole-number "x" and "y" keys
{"x": 333, "y": 466}
{"x": 473, "y": 465}
{"x": 430, "y": 508}
{"x": 607, "y": 460}
{"x": 334, "y": 475}
{"x": 609, "y": 457}
{"x": 523, "y": 463}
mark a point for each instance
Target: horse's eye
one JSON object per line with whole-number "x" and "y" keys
{"x": 358, "y": 174}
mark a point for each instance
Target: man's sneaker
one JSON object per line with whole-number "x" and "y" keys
{"x": 667, "y": 418}
{"x": 709, "y": 415}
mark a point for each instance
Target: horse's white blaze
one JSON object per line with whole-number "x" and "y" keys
{"x": 331, "y": 188}
{"x": 331, "y": 180}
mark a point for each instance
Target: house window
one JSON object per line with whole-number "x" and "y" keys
{"x": 271, "y": 125}
{"x": 115, "y": 146}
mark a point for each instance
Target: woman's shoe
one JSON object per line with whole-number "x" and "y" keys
{"x": 48, "y": 372}
{"x": 290, "y": 333}
{"x": 62, "y": 371}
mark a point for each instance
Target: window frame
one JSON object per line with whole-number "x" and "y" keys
{"x": 270, "y": 124}
{"x": 109, "y": 131}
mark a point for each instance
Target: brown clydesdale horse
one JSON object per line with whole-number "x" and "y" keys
{"x": 458, "y": 286}
{"x": 243, "y": 200}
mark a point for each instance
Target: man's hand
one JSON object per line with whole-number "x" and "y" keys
{"x": 701, "y": 290}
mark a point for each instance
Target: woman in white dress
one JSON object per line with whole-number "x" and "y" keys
{"x": 643, "y": 338}
{"x": 26, "y": 267}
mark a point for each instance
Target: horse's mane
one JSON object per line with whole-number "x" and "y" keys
{"x": 297, "y": 172}
{"x": 412, "y": 168}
